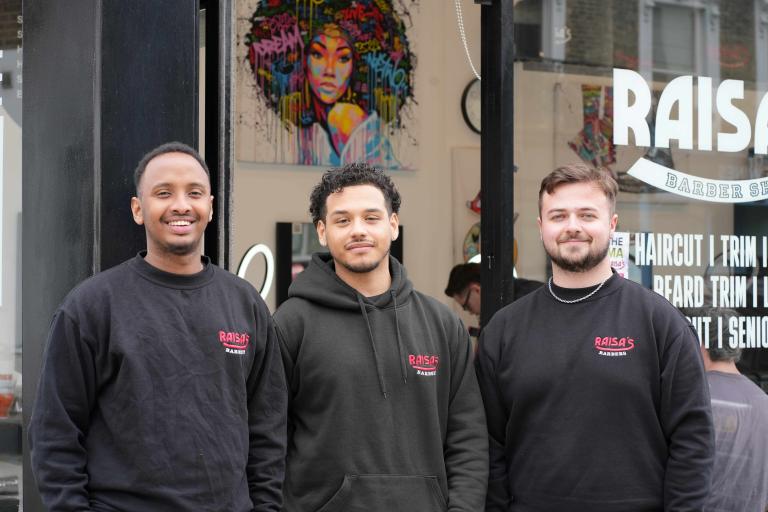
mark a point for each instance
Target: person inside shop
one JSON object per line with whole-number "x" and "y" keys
{"x": 162, "y": 386}
{"x": 594, "y": 387}
{"x": 464, "y": 287}
{"x": 385, "y": 413}
{"x": 740, "y": 412}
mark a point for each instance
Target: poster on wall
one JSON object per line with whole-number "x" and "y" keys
{"x": 327, "y": 82}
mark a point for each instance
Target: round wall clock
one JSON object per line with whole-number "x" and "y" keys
{"x": 471, "y": 105}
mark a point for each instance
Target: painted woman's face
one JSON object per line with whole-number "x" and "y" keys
{"x": 329, "y": 67}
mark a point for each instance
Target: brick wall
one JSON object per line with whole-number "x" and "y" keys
{"x": 9, "y": 26}
{"x": 737, "y": 40}
{"x": 592, "y": 34}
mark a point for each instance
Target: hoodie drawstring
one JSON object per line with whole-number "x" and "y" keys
{"x": 403, "y": 368}
{"x": 379, "y": 369}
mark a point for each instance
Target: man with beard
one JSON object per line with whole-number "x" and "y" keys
{"x": 384, "y": 409}
{"x": 162, "y": 387}
{"x": 594, "y": 387}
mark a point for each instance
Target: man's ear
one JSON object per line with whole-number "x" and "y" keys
{"x": 538, "y": 221}
{"x": 210, "y": 215}
{"x": 394, "y": 224}
{"x": 138, "y": 215}
{"x": 320, "y": 228}
{"x": 614, "y": 222}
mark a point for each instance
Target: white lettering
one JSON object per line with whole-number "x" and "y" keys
{"x": 705, "y": 113}
{"x": 761, "y": 127}
{"x": 679, "y": 91}
{"x": 632, "y": 117}
{"x": 732, "y": 142}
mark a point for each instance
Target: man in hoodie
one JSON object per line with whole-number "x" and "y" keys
{"x": 162, "y": 388}
{"x": 384, "y": 410}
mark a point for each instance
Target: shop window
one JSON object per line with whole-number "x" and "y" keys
{"x": 677, "y": 36}
{"x": 10, "y": 253}
{"x": 571, "y": 110}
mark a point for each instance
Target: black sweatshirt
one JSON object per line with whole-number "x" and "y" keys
{"x": 160, "y": 392}
{"x": 597, "y": 406}
{"x": 385, "y": 414}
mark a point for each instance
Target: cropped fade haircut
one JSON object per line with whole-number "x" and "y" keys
{"x": 337, "y": 179}
{"x": 581, "y": 173}
{"x": 168, "y": 147}
{"x": 461, "y": 276}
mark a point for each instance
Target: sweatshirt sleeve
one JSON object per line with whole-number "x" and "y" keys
{"x": 66, "y": 395}
{"x": 497, "y": 499}
{"x": 466, "y": 443}
{"x": 686, "y": 418}
{"x": 267, "y": 411}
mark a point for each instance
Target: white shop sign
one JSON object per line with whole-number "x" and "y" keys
{"x": 629, "y": 85}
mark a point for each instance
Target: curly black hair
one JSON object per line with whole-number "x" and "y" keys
{"x": 358, "y": 173}
{"x": 383, "y": 65}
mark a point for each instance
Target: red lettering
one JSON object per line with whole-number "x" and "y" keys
{"x": 222, "y": 336}
{"x": 423, "y": 360}
{"x": 614, "y": 343}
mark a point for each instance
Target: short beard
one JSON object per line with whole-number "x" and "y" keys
{"x": 362, "y": 268}
{"x": 587, "y": 263}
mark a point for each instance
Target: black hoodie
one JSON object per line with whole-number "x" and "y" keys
{"x": 384, "y": 411}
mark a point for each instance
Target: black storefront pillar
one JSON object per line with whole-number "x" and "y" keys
{"x": 497, "y": 155}
{"x": 104, "y": 81}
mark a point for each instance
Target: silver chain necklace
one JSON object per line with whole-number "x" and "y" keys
{"x": 574, "y": 301}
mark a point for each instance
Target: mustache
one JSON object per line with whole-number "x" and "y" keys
{"x": 569, "y": 238}
{"x": 361, "y": 242}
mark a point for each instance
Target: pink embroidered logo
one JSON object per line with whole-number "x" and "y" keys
{"x": 613, "y": 346}
{"x": 234, "y": 342}
{"x": 424, "y": 364}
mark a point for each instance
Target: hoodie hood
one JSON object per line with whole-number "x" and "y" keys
{"x": 320, "y": 284}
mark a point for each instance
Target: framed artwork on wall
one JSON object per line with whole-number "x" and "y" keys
{"x": 327, "y": 83}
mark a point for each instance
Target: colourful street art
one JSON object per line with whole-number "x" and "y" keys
{"x": 594, "y": 143}
{"x": 327, "y": 82}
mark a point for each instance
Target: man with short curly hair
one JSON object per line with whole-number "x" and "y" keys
{"x": 385, "y": 412}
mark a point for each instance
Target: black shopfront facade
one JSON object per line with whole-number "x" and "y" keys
{"x": 670, "y": 94}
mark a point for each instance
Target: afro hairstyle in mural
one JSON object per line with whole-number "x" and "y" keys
{"x": 307, "y": 56}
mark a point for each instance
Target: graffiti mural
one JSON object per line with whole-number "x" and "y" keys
{"x": 327, "y": 82}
